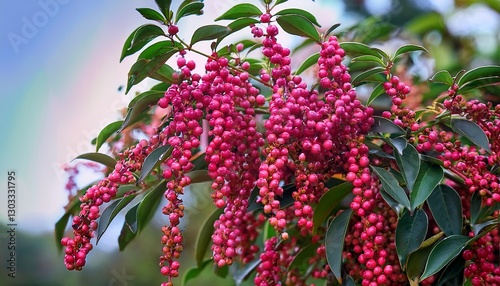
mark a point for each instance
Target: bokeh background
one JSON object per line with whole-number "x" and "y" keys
{"x": 61, "y": 82}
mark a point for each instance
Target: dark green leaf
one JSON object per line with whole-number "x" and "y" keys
{"x": 139, "y": 38}
{"x": 298, "y": 25}
{"x": 153, "y": 160}
{"x": 301, "y": 261}
{"x": 348, "y": 281}
{"x": 369, "y": 58}
{"x": 280, "y": 1}
{"x": 99, "y": 158}
{"x": 129, "y": 228}
{"x": 429, "y": 176}
{"x": 390, "y": 201}
{"x": 193, "y": 8}
{"x": 478, "y": 83}
{"x": 106, "y": 132}
{"x": 410, "y": 233}
{"x": 151, "y": 14}
{"x": 367, "y": 74}
{"x": 164, "y": 6}
{"x": 139, "y": 104}
{"x": 328, "y": 202}
{"x": 239, "y": 24}
{"x": 399, "y": 144}
{"x": 205, "y": 236}
{"x": 331, "y": 29}
{"x": 164, "y": 74}
{"x": 209, "y": 32}
{"x": 475, "y": 207}
{"x": 443, "y": 76}
{"x": 300, "y": 12}
{"x": 149, "y": 204}
{"x": 334, "y": 241}
{"x": 409, "y": 165}
{"x": 442, "y": 253}
{"x": 384, "y": 125}
{"x": 471, "y": 131}
{"x": 194, "y": 272}
{"x": 480, "y": 226}
{"x": 110, "y": 213}
{"x": 415, "y": 264}
{"x": 391, "y": 186}
{"x": 240, "y": 11}
{"x": 377, "y": 91}
{"x": 355, "y": 49}
{"x": 240, "y": 275}
{"x": 199, "y": 176}
{"x": 60, "y": 228}
{"x": 123, "y": 189}
{"x": 452, "y": 271}
{"x": 446, "y": 208}
{"x": 477, "y": 73}
{"x": 311, "y": 60}
{"x": 407, "y": 49}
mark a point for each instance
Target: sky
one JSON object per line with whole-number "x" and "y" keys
{"x": 59, "y": 79}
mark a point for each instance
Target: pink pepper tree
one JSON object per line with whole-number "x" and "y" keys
{"x": 336, "y": 189}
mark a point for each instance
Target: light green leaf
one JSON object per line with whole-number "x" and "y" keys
{"x": 479, "y": 72}
{"x": 310, "y": 61}
{"x": 444, "y": 77}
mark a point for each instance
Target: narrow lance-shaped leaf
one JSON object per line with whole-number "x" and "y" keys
{"x": 429, "y": 176}
{"x": 151, "y": 14}
{"x": 310, "y": 61}
{"x": 240, "y": 11}
{"x": 99, "y": 158}
{"x": 205, "y": 236}
{"x": 354, "y": 48}
{"x": 331, "y": 29}
{"x": 301, "y": 261}
{"x": 194, "y": 272}
{"x": 164, "y": 6}
{"x": 477, "y": 73}
{"x": 129, "y": 228}
{"x": 407, "y": 49}
{"x": 298, "y": 25}
{"x": 300, "y": 12}
{"x": 334, "y": 241}
{"x": 194, "y": 8}
{"x": 367, "y": 74}
{"x": 479, "y": 83}
{"x": 149, "y": 204}
{"x": 139, "y": 38}
{"x": 475, "y": 207}
{"x": 471, "y": 131}
{"x": 106, "y": 132}
{"x": 446, "y": 208}
{"x": 384, "y": 125}
{"x": 328, "y": 202}
{"x": 444, "y": 77}
{"x": 154, "y": 159}
{"x": 209, "y": 32}
{"x": 391, "y": 186}
{"x": 409, "y": 164}
{"x": 140, "y": 104}
{"x": 442, "y": 253}
{"x": 399, "y": 144}
{"x": 369, "y": 58}
{"x": 110, "y": 213}
{"x": 410, "y": 233}
{"x": 377, "y": 91}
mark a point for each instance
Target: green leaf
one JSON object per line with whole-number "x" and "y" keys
{"x": 205, "y": 236}
{"x": 478, "y": 83}
{"x": 399, "y": 144}
{"x": 348, "y": 281}
{"x": 285, "y": 200}
{"x": 300, "y": 12}
{"x": 408, "y": 49}
{"x": 409, "y": 164}
{"x": 446, "y": 208}
{"x": 443, "y": 76}
{"x": 209, "y": 32}
{"x": 164, "y": 74}
{"x": 331, "y": 29}
{"x": 110, "y": 213}
{"x": 384, "y": 125}
{"x": 149, "y": 204}
{"x": 452, "y": 271}
{"x": 129, "y": 228}
{"x": 240, "y": 275}
{"x": 369, "y": 58}
{"x": 199, "y": 176}
{"x": 328, "y": 202}
{"x": 480, "y": 226}
{"x": 367, "y": 74}
{"x": 471, "y": 131}
{"x": 123, "y": 189}
{"x": 240, "y": 11}
{"x": 239, "y": 24}
{"x": 60, "y": 228}
{"x": 422, "y": 24}
{"x": 153, "y": 160}
{"x": 415, "y": 265}
{"x": 152, "y": 59}
{"x": 377, "y": 91}
{"x": 280, "y": 1}
{"x": 429, "y": 176}
{"x": 477, "y": 73}
{"x": 442, "y": 253}
{"x": 311, "y": 60}
{"x": 301, "y": 261}
{"x": 390, "y": 201}
{"x": 194, "y": 272}
{"x": 355, "y": 49}
{"x": 164, "y": 6}
{"x": 139, "y": 104}
{"x": 475, "y": 207}
{"x": 410, "y": 233}
{"x": 139, "y": 38}
{"x": 106, "y": 132}
{"x": 193, "y": 8}
{"x": 334, "y": 241}
{"x": 268, "y": 231}
{"x": 391, "y": 186}
{"x": 151, "y": 14}
{"x": 99, "y": 158}
{"x": 299, "y": 26}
